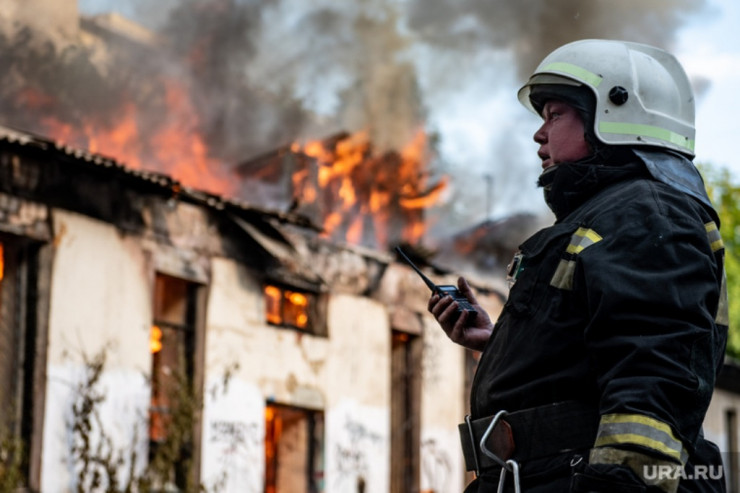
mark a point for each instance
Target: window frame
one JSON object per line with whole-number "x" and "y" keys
{"x": 193, "y": 351}
{"x": 32, "y": 279}
{"x": 315, "y": 312}
{"x": 315, "y": 467}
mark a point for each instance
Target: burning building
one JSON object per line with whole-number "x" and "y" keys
{"x": 163, "y": 336}
{"x": 159, "y": 336}
{"x": 160, "y": 332}
{"x": 358, "y": 195}
{"x": 313, "y": 363}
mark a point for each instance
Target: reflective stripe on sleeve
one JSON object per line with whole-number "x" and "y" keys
{"x": 563, "y": 277}
{"x": 579, "y": 73}
{"x": 580, "y": 240}
{"x": 647, "y": 131}
{"x": 661, "y": 474}
{"x": 723, "y": 310}
{"x": 715, "y": 243}
{"x": 714, "y": 237}
{"x": 644, "y": 431}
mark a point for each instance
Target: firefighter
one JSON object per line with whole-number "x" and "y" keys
{"x": 598, "y": 372}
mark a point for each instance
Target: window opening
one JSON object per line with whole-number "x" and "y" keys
{"x": 172, "y": 345}
{"x": 18, "y": 332}
{"x": 294, "y": 308}
{"x": 294, "y": 449}
{"x": 472, "y": 358}
{"x": 405, "y": 411}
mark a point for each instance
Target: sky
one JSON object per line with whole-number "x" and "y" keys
{"x": 710, "y": 47}
{"x": 485, "y": 136}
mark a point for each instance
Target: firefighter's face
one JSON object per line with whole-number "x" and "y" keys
{"x": 561, "y": 137}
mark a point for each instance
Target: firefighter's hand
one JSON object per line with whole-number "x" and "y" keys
{"x": 465, "y": 328}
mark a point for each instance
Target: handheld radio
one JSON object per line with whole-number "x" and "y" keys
{"x": 443, "y": 290}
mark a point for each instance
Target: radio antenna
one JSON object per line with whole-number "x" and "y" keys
{"x": 428, "y": 281}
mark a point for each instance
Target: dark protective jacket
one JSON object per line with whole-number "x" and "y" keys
{"x": 619, "y": 305}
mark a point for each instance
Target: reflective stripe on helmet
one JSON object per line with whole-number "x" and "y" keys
{"x": 578, "y": 72}
{"x": 647, "y": 131}
{"x": 640, "y": 430}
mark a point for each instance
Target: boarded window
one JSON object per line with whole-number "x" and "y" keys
{"x": 406, "y": 353}
{"x": 294, "y": 308}
{"x": 294, "y": 450}
{"x": 173, "y": 402}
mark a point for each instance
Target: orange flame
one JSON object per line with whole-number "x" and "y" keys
{"x": 359, "y": 195}
{"x": 174, "y": 147}
{"x": 284, "y": 306}
{"x": 365, "y": 198}
{"x": 155, "y": 339}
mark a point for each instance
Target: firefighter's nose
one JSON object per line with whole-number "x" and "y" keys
{"x": 540, "y": 136}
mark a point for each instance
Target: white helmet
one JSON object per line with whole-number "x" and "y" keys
{"x": 643, "y": 96}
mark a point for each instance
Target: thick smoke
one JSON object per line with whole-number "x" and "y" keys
{"x": 346, "y": 62}
{"x": 260, "y": 74}
{"x": 533, "y": 28}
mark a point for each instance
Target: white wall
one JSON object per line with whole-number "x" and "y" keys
{"x": 347, "y": 375}
{"x": 443, "y": 407}
{"x": 715, "y": 425}
{"x": 100, "y": 302}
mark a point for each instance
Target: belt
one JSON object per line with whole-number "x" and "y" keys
{"x": 528, "y": 434}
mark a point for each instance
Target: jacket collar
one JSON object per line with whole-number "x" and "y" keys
{"x": 568, "y": 185}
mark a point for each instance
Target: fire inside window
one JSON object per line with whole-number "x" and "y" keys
{"x": 294, "y": 449}
{"x": 288, "y": 307}
{"x": 171, "y": 343}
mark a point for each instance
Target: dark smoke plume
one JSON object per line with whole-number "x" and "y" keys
{"x": 533, "y": 28}
{"x": 260, "y": 74}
